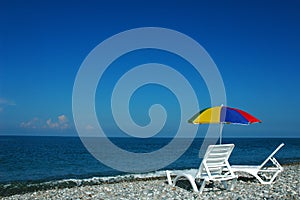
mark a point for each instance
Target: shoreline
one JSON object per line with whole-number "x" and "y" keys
{"x": 287, "y": 186}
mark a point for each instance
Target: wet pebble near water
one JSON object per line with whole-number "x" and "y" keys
{"x": 287, "y": 186}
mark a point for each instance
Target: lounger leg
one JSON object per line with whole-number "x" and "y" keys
{"x": 191, "y": 180}
{"x": 269, "y": 181}
{"x": 169, "y": 177}
{"x": 260, "y": 179}
{"x": 195, "y": 188}
{"x": 189, "y": 177}
{"x": 225, "y": 184}
{"x": 232, "y": 185}
{"x": 274, "y": 176}
{"x": 202, "y": 186}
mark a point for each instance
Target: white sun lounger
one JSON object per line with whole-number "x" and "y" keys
{"x": 265, "y": 175}
{"x": 211, "y": 168}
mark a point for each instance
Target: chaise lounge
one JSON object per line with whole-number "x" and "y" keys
{"x": 263, "y": 173}
{"x": 212, "y": 167}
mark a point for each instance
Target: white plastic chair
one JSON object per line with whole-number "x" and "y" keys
{"x": 211, "y": 168}
{"x": 262, "y": 171}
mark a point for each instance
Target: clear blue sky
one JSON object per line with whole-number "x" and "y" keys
{"x": 255, "y": 44}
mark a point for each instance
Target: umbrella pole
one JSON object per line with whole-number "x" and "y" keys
{"x": 221, "y": 129}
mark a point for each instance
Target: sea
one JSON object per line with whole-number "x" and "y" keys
{"x": 30, "y": 163}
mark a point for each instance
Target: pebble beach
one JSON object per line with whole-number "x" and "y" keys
{"x": 286, "y": 186}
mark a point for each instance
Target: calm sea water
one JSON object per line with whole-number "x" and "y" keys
{"x": 41, "y": 159}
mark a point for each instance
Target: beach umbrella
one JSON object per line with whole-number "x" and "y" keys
{"x": 223, "y": 115}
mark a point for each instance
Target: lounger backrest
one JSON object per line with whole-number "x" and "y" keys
{"x": 215, "y": 159}
{"x": 272, "y": 154}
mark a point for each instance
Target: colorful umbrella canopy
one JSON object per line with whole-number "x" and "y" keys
{"x": 223, "y": 115}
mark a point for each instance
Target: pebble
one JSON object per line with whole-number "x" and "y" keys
{"x": 286, "y": 187}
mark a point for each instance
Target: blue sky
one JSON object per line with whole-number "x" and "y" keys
{"x": 255, "y": 45}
